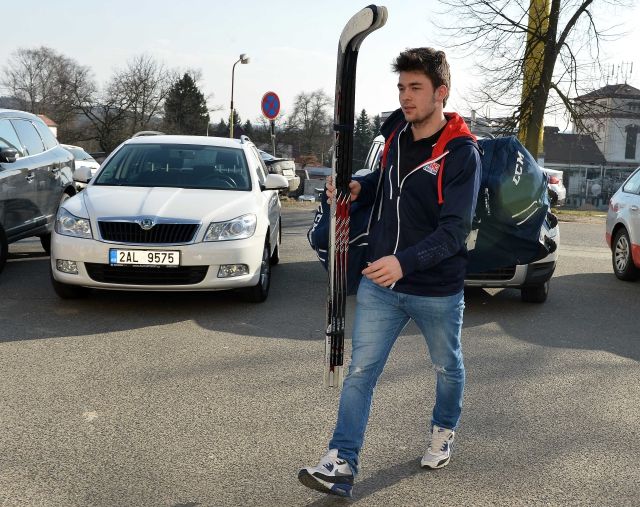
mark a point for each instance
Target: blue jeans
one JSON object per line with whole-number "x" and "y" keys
{"x": 381, "y": 315}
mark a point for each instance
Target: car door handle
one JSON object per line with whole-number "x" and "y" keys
{"x": 634, "y": 208}
{"x": 29, "y": 177}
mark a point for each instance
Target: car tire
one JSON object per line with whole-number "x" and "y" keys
{"x": 275, "y": 256}
{"x": 621, "y": 257}
{"x": 4, "y": 248}
{"x": 45, "y": 239}
{"x": 259, "y": 292}
{"x": 535, "y": 293}
{"x": 67, "y": 291}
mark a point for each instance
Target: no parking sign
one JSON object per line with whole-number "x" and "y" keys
{"x": 270, "y": 105}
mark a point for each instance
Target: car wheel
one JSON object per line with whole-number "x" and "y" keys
{"x": 4, "y": 248}
{"x": 621, "y": 257}
{"x": 45, "y": 239}
{"x": 275, "y": 256}
{"x": 259, "y": 292}
{"x": 66, "y": 291}
{"x": 535, "y": 293}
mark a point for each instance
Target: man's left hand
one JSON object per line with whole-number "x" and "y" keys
{"x": 385, "y": 271}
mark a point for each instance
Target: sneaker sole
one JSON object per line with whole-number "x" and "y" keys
{"x": 440, "y": 464}
{"x": 311, "y": 482}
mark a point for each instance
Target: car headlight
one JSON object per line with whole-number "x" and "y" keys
{"x": 71, "y": 225}
{"x": 239, "y": 228}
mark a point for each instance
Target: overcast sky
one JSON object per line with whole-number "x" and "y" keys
{"x": 292, "y": 44}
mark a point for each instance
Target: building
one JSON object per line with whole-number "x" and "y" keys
{"x": 53, "y": 126}
{"x": 611, "y": 115}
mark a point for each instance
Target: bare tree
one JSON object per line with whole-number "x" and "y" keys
{"x": 142, "y": 88}
{"x": 46, "y": 82}
{"x": 108, "y": 115}
{"x": 562, "y": 46}
{"x": 310, "y": 120}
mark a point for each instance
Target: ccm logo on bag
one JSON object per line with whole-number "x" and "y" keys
{"x": 519, "y": 164}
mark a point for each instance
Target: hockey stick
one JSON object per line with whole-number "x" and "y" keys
{"x": 357, "y": 28}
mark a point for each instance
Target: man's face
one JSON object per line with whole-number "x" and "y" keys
{"x": 418, "y": 98}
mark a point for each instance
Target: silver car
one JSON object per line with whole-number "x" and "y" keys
{"x": 36, "y": 175}
{"x": 531, "y": 279}
{"x": 623, "y": 228}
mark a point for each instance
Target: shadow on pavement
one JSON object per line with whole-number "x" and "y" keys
{"x": 584, "y": 311}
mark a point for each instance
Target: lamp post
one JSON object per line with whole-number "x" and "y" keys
{"x": 244, "y": 59}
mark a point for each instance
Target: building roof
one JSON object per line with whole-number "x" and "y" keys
{"x": 616, "y": 91}
{"x": 47, "y": 121}
{"x": 571, "y": 148}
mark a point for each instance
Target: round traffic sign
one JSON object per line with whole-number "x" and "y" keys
{"x": 270, "y": 105}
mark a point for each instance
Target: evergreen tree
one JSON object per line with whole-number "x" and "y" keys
{"x": 376, "y": 123}
{"x": 237, "y": 124}
{"x": 220, "y": 130}
{"x": 361, "y": 140}
{"x": 185, "y": 110}
{"x": 248, "y": 129}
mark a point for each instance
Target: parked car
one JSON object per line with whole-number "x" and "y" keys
{"x": 557, "y": 190}
{"x": 312, "y": 181}
{"x": 623, "y": 228}
{"x": 171, "y": 213}
{"x": 531, "y": 279}
{"x": 284, "y": 166}
{"x": 36, "y": 175}
{"x": 82, "y": 158}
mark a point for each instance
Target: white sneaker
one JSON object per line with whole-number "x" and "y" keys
{"x": 439, "y": 449}
{"x": 332, "y": 475}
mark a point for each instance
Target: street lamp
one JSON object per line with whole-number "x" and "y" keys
{"x": 244, "y": 59}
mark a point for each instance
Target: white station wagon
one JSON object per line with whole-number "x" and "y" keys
{"x": 171, "y": 213}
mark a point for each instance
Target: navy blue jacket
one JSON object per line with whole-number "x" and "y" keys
{"x": 425, "y": 219}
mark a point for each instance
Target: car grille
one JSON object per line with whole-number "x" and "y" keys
{"x": 494, "y": 274}
{"x": 131, "y": 232}
{"x": 137, "y": 275}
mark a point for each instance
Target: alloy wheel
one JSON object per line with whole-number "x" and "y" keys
{"x": 622, "y": 253}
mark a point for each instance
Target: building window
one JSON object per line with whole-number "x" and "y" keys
{"x": 630, "y": 147}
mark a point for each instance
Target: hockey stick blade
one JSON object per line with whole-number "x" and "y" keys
{"x": 360, "y": 25}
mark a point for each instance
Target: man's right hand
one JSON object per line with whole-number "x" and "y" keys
{"x": 354, "y": 187}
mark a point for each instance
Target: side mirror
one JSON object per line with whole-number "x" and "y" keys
{"x": 275, "y": 182}
{"x": 82, "y": 175}
{"x": 8, "y": 155}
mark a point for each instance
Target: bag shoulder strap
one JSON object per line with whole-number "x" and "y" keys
{"x": 387, "y": 145}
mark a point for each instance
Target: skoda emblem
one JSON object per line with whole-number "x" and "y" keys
{"x": 146, "y": 223}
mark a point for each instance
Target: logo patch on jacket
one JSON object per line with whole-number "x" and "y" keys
{"x": 431, "y": 167}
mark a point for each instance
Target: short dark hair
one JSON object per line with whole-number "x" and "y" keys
{"x": 431, "y": 62}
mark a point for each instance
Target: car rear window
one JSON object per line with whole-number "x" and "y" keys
{"x": 177, "y": 165}
{"x": 47, "y": 136}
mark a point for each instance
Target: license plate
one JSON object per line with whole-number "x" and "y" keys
{"x": 144, "y": 257}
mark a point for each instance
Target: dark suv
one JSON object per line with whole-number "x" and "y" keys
{"x": 36, "y": 175}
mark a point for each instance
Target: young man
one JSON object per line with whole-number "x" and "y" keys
{"x": 423, "y": 209}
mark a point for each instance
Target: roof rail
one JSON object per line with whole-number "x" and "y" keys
{"x": 244, "y": 139}
{"x": 143, "y": 133}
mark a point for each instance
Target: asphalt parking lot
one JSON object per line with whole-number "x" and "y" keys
{"x": 203, "y": 400}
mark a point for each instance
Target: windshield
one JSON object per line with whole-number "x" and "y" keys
{"x": 177, "y": 165}
{"x": 80, "y": 154}
{"x": 266, "y": 156}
